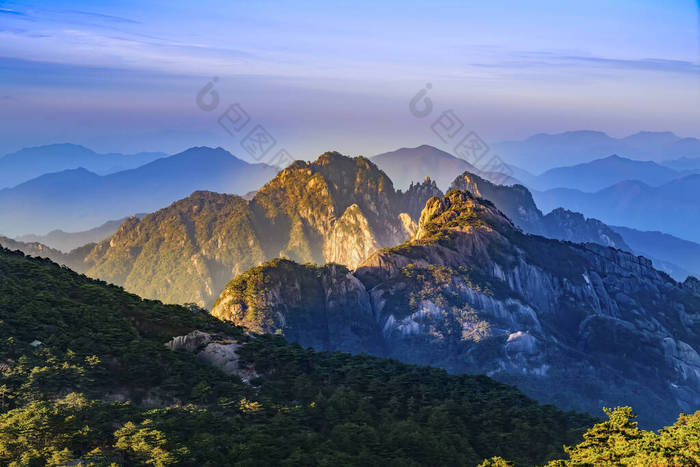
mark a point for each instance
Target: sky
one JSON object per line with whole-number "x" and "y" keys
{"x": 123, "y": 76}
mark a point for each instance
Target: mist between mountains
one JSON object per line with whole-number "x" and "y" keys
{"x": 463, "y": 143}
{"x": 258, "y": 143}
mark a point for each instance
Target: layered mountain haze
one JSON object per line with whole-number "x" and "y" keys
{"x": 74, "y": 259}
{"x": 67, "y": 241}
{"x": 582, "y": 326}
{"x": 602, "y": 173}
{"x": 678, "y": 257}
{"x": 29, "y": 163}
{"x": 547, "y": 151}
{"x": 336, "y": 209}
{"x": 671, "y": 208}
{"x": 684, "y": 164}
{"x": 79, "y": 199}
{"x": 517, "y": 203}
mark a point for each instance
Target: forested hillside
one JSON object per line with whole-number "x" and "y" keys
{"x": 87, "y": 377}
{"x": 581, "y": 326}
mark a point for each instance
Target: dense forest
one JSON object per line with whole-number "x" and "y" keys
{"x": 86, "y": 379}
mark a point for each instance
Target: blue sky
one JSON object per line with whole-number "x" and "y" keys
{"x": 123, "y": 76}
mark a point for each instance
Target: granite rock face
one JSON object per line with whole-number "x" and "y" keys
{"x": 214, "y": 350}
{"x": 579, "y": 325}
{"x": 336, "y": 209}
{"x": 324, "y": 307}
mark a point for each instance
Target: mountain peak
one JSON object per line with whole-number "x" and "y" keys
{"x": 409, "y": 165}
{"x": 575, "y": 135}
{"x": 52, "y": 146}
{"x": 459, "y": 211}
{"x": 205, "y": 150}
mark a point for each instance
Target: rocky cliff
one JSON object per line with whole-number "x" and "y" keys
{"x": 579, "y": 325}
{"x": 336, "y": 209}
{"x": 517, "y": 203}
{"x": 94, "y": 375}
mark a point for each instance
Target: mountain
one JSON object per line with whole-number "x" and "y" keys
{"x": 601, "y": 173}
{"x": 678, "y": 258}
{"x": 517, "y": 203}
{"x": 684, "y": 164}
{"x": 29, "y": 163}
{"x": 579, "y": 325}
{"x": 94, "y": 375}
{"x": 408, "y": 165}
{"x": 79, "y": 199}
{"x": 67, "y": 241}
{"x": 546, "y": 151}
{"x": 73, "y": 259}
{"x": 670, "y": 208}
{"x": 336, "y": 209}
{"x": 682, "y": 257}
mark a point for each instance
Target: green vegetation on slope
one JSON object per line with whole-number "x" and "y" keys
{"x": 101, "y": 387}
{"x": 182, "y": 253}
{"x": 618, "y": 441}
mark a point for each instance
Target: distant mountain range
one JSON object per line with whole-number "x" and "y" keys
{"x": 73, "y": 259}
{"x": 684, "y": 164}
{"x": 30, "y": 163}
{"x": 602, "y": 173}
{"x": 411, "y": 165}
{"x": 672, "y": 207}
{"x": 79, "y": 199}
{"x": 675, "y": 256}
{"x": 542, "y": 152}
{"x": 337, "y": 209}
{"x": 517, "y": 204}
{"x": 67, "y": 241}
{"x": 187, "y": 251}
{"x": 678, "y": 258}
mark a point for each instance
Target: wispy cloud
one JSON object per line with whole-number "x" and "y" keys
{"x": 8, "y": 11}
{"x": 544, "y": 60}
{"x": 109, "y": 18}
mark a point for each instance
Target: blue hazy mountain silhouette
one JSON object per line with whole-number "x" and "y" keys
{"x": 542, "y": 152}
{"x": 29, "y": 163}
{"x": 80, "y": 199}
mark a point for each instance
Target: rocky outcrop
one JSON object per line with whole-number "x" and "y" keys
{"x": 414, "y": 199}
{"x": 350, "y": 240}
{"x": 215, "y": 350}
{"x": 579, "y": 325}
{"x": 336, "y": 209}
{"x": 514, "y": 201}
{"x": 517, "y": 203}
{"x": 574, "y": 227}
{"x": 322, "y": 307}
